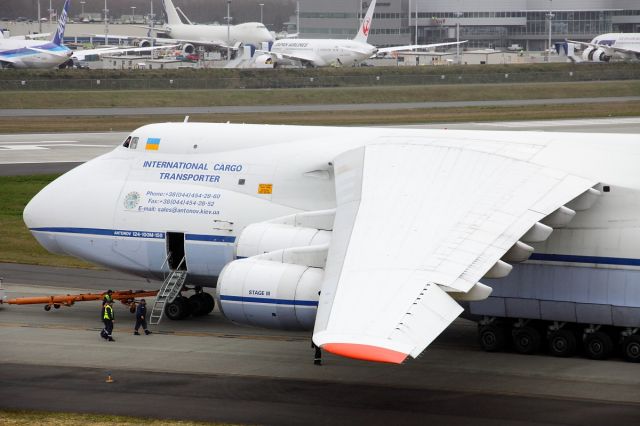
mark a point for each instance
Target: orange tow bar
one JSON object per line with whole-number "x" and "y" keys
{"x": 126, "y": 297}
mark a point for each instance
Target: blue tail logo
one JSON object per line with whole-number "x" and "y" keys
{"x": 58, "y": 38}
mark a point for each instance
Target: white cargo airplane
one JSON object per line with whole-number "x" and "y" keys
{"x": 605, "y": 47}
{"x": 191, "y": 35}
{"x": 368, "y": 236}
{"x": 334, "y": 52}
{"x": 16, "y": 52}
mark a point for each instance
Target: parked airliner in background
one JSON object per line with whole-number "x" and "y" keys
{"x": 16, "y": 52}
{"x": 193, "y": 35}
{"x": 613, "y": 46}
{"x": 368, "y": 236}
{"x": 334, "y": 52}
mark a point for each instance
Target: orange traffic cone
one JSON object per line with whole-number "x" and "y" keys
{"x": 109, "y": 378}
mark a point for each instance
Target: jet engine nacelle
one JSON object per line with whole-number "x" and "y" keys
{"x": 270, "y": 294}
{"x": 263, "y": 61}
{"x": 144, "y": 43}
{"x": 188, "y": 49}
{"x": 264, "y": 237}
{"x": 595, "y": 55}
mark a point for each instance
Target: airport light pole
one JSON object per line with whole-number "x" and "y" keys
{"x": 82, "y": 3}
{"x": 550, "y": 16}
{"x": 416, "y": 22}
{"x": 39, "y": 20}
{"x": 228, "y": 30}
{"x": 261, "y": 6}
{"x": 458, "y": 15}
{"x": 106, "y": 23}
{"x": 298, "y": 18}
{"x": 133, "y": 11}
{"x": 150, "y": 34}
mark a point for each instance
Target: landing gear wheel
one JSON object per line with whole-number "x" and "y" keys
{"x": 47, "y": 308}
{"x": 198, "y": 305}
{"x": 178, "y": 309}
{"x": 526, "y": 340}
{"x": 132, "y": 308}
{"x": 209, "y": 302}
{"x": 598, "y": 345}
{"x": 631, "y": 348}
{"x": 56, "y": 306}
{"x": 492, "y": 337}
{"x": 562, "y": 343}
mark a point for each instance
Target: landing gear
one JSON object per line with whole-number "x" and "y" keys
{"x": 199, "y": 304}
{"x": 563, "y": 339}
{"x": 526, "y": 339}
{"x": 178, "y": 309}
{"x": 209, "y": 302}
{"x": 562, "y": 343}
{"x": 631, "y": 348}
{"x": 598, "y": 345}
{"x": 492, "y": 337}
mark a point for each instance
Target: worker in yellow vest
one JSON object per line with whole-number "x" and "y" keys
{"x": 108, "y": 320}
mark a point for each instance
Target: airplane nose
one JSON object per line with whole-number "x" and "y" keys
{"x": 37, "y": 217}
{"x": 72, "y": 205}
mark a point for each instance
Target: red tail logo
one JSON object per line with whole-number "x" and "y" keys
{"x": 365, "y": 27}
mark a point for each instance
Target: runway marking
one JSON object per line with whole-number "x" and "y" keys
{"x": 562, "y": 123}
{"x": 35, "y": 142}
{"x": 21, "y": 147}
{"x": 40, "y": 146}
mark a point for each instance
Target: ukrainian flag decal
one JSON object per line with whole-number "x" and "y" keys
{"x": 152, "y": 144}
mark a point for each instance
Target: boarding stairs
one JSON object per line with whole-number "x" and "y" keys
{"x": 168, "y": 292}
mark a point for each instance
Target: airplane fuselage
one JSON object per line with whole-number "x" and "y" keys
{"x": 207, "y": 182}
{"x": 32, "y": 53}
{"x": 325, "y": 52}
{"x": 253, "y": 33}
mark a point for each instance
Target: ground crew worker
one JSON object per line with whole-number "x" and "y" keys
{"x": 317, "y": 359}
{"x": 108, "y": 319}
{"x": 141, "y": 320}
{"x": 106, "y": 298}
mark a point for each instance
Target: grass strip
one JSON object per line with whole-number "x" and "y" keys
{"x": 18, "y": 245}
{"x": 344, "y": 95}
{"x": 23, "y": 417}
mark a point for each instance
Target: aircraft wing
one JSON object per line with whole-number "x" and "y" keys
{"x": 416, "y": 225}
{"x": 415, "y": 46}
{"x": 82, "y": 54}
{"x": 211, "y": 43}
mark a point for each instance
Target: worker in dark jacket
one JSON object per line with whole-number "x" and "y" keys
{"x": 141, "y": 320}
{"x": 108, "y": 320}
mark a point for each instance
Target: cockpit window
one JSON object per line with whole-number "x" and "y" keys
{"x": 127, "y": 142}
{"x": 134, "y": 143}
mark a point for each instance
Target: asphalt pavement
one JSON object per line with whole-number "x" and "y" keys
{"x": 229, "y": 109}
{"x": 207, "y": 368}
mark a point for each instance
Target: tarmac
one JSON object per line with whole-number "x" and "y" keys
{"x": 209, "y": 369}
{"x": 51, "y": 112}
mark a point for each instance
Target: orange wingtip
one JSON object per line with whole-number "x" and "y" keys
{"x": 365, "y": 352}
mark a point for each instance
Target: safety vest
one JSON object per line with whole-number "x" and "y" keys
{"x": 108, "y": 312}
{"x": 107, "y": 298}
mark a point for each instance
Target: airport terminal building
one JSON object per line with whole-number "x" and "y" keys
{"x": 492, "y": 23}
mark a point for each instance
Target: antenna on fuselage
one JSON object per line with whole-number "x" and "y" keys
{"x": 186, "y": 119}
